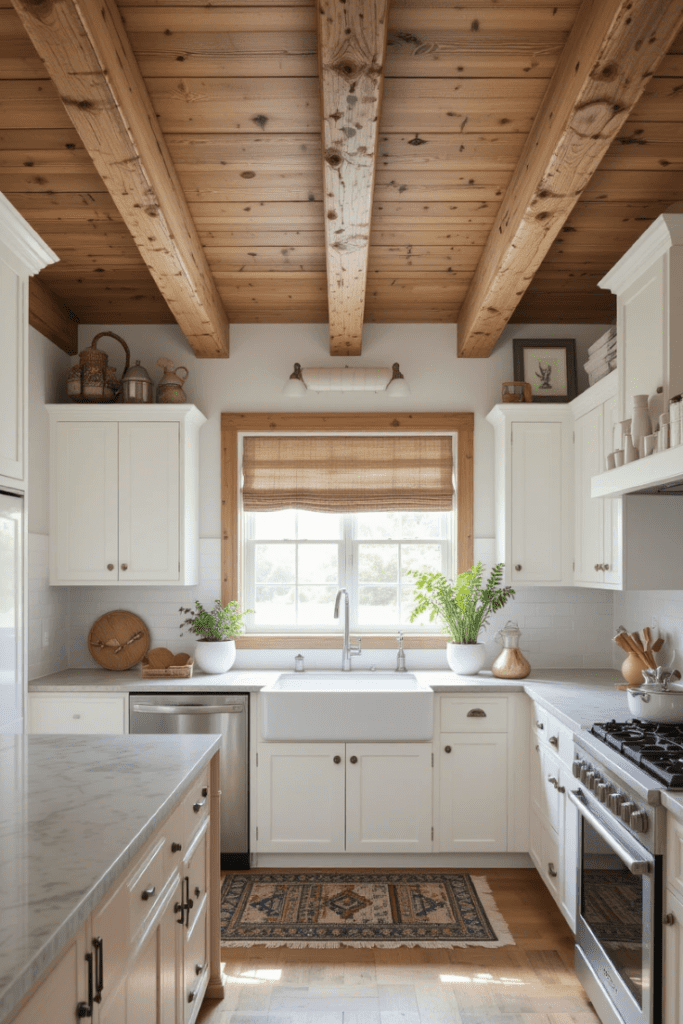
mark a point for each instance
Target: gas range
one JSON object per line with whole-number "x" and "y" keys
{"x": 656, "y": 748}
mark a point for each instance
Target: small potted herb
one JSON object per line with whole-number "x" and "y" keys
{"x": 216, "y": 629}
{"x": 463, "y": 606}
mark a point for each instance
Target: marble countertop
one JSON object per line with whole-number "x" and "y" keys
{"x": 74, "y": 812}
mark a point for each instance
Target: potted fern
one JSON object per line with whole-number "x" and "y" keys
{"x": 463, "y": 606}
{"x": 216, "y": 629}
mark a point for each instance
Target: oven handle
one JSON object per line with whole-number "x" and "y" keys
{"x": 188, "y": 709}
{"x": 636, "y": 867}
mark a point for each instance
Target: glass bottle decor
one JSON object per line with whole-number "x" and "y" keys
{"x": 510, "y": 663}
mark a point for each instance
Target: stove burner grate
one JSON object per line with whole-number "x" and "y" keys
{"x": 656, "y": 748}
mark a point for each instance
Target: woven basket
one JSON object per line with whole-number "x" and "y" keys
{"x": 93, "y": 359}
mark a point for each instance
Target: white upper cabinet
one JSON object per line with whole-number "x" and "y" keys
{"x": 647, "y": 283}
{"x": 597, "y": 521}
{"x": 22, "y": 254}
{"x": 124, "y": 494}
{"x": 533, "y": 493}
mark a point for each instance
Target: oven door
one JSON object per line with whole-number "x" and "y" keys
{"x": 617, "y": 937}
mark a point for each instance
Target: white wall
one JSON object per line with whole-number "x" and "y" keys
{"x": 562, "y": 628}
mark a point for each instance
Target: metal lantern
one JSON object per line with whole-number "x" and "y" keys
{"x": 137, "y": 385}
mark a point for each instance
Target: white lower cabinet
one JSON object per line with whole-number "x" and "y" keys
{"x": 55, "y": 713}
{"x": 336, "y": 797}
{"x": 473, "y": 782}
{"x": 673, "y": 957}
{"x": 143, "y": 955}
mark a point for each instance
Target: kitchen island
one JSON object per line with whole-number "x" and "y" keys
{"x": 97, "y": 836}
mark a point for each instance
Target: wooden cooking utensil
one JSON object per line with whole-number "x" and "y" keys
{"x": 658, "y": 644}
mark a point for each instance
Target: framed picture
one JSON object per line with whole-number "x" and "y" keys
{"x": 549, "y": 366}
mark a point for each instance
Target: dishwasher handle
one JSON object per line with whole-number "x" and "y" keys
{"x": 188, "y": 709}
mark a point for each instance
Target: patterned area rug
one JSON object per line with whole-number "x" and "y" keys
{"x": 345, "y": 908}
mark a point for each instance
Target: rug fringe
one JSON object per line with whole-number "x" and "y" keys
{"x": 496, "y": 919}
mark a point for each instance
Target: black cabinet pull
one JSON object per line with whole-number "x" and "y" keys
{"x": 197, "y": 892}
{"x": 179, "y": 908}
{"x": 198, "y": 806}
{"x": 189, "y": 903}
{"x": 176, "y": 847}
{"x": 85, "y": 1009}
{"x": 198, "y": 968}
{"x": 337, "y": 759}
{"x": 205, "y": 791}
{"x": 147, "y": 893}
{"x": 476, "y": 713}
{"x": 447, "y": 749}
{"x": 354, "y": 759}
{"x": 99, "y": 968}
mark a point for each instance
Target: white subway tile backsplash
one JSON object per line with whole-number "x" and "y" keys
{"x": 48, "y": 613}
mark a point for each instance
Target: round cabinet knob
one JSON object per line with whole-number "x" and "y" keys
{"x": 606, "y": 568}
{"x": 448, "y": 749}
{"x": 552, "y": 871}
{"x": 540, "y": 725}
{"x": 598, "y": 568}
{"x": 197, "y": 891}
{"x": 669, "y": 919}
{"x": 147, "y": 893}
{"x": 354, "y": 759}
{"x": 111, "y": 567}
{"x": 518, "y": 568}
{"x": 176, "y": 847}
{"x": 554, "y": 741}
{"x": 337, "y": 759}
{"x": 124, "y": 566}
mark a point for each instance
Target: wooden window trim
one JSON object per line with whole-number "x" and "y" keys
{"x": 232, "y": 424}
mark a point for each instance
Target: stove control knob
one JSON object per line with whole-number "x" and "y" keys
{"x": 590, "y": 780}
{"x": 626, "y": 810}
{"x": 639, "y": 821}
{"x": 576, "y": 768}
{"x": 603, "y": 791}
{"x": 614, "y": 802}
{"x": 583, "y": 773}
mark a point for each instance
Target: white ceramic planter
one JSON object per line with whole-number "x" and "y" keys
{"x": 215, "y": 656}
{"x": 465, "y": 659}
{"x": 656, "y": 705}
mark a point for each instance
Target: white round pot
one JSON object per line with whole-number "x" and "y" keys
{"x": 465, "y": 659}
{"x": 215, "y": 656}
{"x": 656, "y": 705}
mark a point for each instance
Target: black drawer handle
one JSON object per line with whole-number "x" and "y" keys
{"x": 176, "y": 847}
{"x": 476, "y": 713}
{"x": 198, "y": 806}
{"x": 205, "y": 791}
{"x": 147, "y": 893}
{"x": 98, "y": 944}
{"x": 198, "y": 968}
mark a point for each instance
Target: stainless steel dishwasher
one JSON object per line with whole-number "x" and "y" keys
{"x": 228, "y": 715}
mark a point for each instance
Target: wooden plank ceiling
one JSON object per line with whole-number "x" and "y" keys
{"x": 235, "y": 87}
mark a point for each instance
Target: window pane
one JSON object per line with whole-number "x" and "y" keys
{"x": 377, "y": 563}
{"x": 275, "y": 606}
{"x": 274, "y": 525}
{"x": 421, "y": 557}
{"x": 319, "y": 563}
{"x": 319, "y": 526}
{"x": 275, "y": 563}
{"x": 377, "y": 606}
{"x": 316, "y": 606}
{"x": 379, "y": 525}
{"x": 423, "y": 525}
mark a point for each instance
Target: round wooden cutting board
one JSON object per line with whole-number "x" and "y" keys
{"x": 118, "y": 640}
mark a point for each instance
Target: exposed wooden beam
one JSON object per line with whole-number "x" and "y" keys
{"x": 88, "y": 56}
{"x": 352, "y": 43}
{"x": 52, "y": 317}
{"x": 608, "y": 60}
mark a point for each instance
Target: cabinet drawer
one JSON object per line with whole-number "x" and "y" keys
{"x": 196, "y": 803}
{"x": 195, "y": 867}
{"x": 674, "y": 854}
{"x": 77, "y": 713}
{"x": 474, "y": 714}
{"x": 177, "y": 839}
{"x": 145, "y": 886}
{"x": 551, "y": 734}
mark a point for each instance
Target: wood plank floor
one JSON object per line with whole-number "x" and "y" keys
{"x": 532, "y": 982}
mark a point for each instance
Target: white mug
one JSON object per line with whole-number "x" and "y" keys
{"x": 618, "y": 458}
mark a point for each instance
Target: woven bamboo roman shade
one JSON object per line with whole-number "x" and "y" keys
{"x": 348, "y": 474}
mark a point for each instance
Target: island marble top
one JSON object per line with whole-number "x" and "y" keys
{"x": 74, "y": 811}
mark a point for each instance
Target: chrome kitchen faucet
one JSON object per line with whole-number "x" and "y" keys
{"x": 348, "y": 650}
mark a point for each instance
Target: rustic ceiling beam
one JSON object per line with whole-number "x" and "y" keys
{"x": 352, "y": 43}
{"x": 608, "y": 60}
{"x": 52, "y": 317}
{"x": 88, "y": 56}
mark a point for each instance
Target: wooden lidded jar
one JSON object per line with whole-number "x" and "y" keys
{"x": 510, "y": 663}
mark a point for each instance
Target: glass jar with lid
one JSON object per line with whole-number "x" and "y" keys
{"x": 510, "y": 663}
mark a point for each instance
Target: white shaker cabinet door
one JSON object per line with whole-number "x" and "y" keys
{"x": 588, "y": 538}
{"x": 473, "y": 796}
{"x": 149, "y": 504}
{"x": 301, "y": 798}
{"x": 12, "y": 356}
{"x": 537, "y": 512}
{"x": 673, "y": 957}
{"x": 388, "y": 797}
{"x": 84, "y": 503}
{"x": 612, "y": 508}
